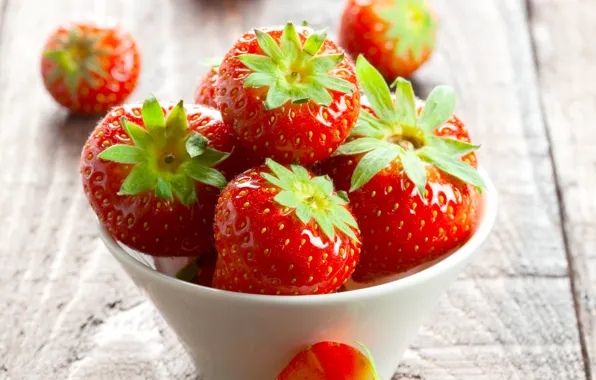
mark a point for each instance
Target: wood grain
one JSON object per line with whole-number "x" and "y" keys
{"x": 69, "y": 311}
{"x": 565, "y": 55}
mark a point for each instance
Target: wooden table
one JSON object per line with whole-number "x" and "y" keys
{"x": 525, "y": 74}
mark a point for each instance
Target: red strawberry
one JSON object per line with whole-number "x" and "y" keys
{"x": 330, "y": 361}
{"x": 90, "y": 68}
{"x": 154, "y": 181}
{"x": 396, "y": 36}
{"x": 198, "y": 270}
{"x": 207, "y": 87}
{"x": 412, "y": 177}
{"x": 288, "y": 93}
{"x": 283, "y": 231}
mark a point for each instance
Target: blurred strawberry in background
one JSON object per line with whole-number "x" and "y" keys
{"x": 90, "y": 67}
{"x": 395, "y": 36}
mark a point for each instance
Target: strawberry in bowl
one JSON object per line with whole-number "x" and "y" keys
{"x": 282, "y": 231}
{"x": 89, "y": 67}
{"x": 152, "y": 173}
{"x": 288, "y": 93}
{"x": 395, "y": 36}
{"x": 411, "y": 173}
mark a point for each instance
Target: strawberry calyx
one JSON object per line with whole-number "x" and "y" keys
{"x": 77, "y": 56}
{"x": 411, "y": 24}
{"x": 397, "y": 131}
{"x": 294, "y": 71}
{"x": 311, "y": 197}
{"x": 167, "y": 157}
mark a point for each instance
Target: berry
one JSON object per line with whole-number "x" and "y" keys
{"x": 283, "y": 231}
{"x": 395, "y": 36}
{"x": 411, "y": 175}
{"x": 154, "y": 181}
{"x": 289, "y": 94}
{"x": 90, "y": 68}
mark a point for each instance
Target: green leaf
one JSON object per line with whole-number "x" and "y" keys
{"x": 368, "y": 125}
{"x": 259, "y": 80}
{"x": 451, "y": 146}
{"x": 371, "y": 164}
{"x": 276, "y": 181}
{"x": 345, "y": 215}
{"x": 300, "y": 172}
{"x": 335, "y": 83}
{"x": 184, "y": 189}
{"x": 324, "y": 63}
{"x": 163, "y": 190}
{"x": 276, "y": 96}
{"x": 189, "y": 272}
{"x": 153, "y": 116}
{"x": 304, "y": 213}
{"x": 452, "y": 166}
{"x": 284, "y": 174}
{"x": 341, "y": 198}
{"x": 319, "y": 94}
{"x": 211, "y": 157}
{"x": 376, "y": 90}
{"x": 361, "y": 145}
{"x": 206, "y": 175}
{"x": 415, "y": 170}
{"x": 268, "y": 45}
{"x": 323, "y": 184}
{"x": 340, "y": 224}
{"x": 259, "y": 63}
{"x": 176, "y": 123}
{"x": 124, "y": 154}
{"x": 290, "y": 42}
{"x": 196, "y": 144}
{"x": 138, "y": 134}
{"x": 140, "y": 179}
{"x": 299, "y": 94}
{"x": 287, "y": 198}
{"x": 438, "y": 108}
{"x": 405, "y": 102}
{"x": 323, "y": 220}
{"x": 314, "y": 42}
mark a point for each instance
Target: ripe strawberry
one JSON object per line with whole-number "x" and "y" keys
{"x": 154, "y": 182}
{"x": 198, "y": 270}
{"x": 414, "y": 186}
{"x": 288, "y": 93}
{"x": 330, "y": 361}
{"x": 207, "y": 87}
{"x": 90, "y": 68}
{"x": 396, "y": 36}
{"x": 283, "y": 231}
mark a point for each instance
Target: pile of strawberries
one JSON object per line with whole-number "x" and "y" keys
{"x": 297, "y": 168}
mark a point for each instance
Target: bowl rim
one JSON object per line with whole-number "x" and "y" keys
{"x": 489, "y": 197}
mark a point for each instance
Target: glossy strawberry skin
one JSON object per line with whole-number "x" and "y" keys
{"x": 399, "y": 230}
{"x": 158, "y": 227}
{"x": 294, "y": 133}
{"x": 329, "y": 361}
{"x": 206, "y": 89}
{"x": 122, "y": 65}
{"x": 362, "y": 31}
{"x": 264, "y": 248}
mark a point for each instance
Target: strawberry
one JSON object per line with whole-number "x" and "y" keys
{"x": 330, "y": 361}
{"x": 411, "y": 176}
{"x": 154, "y": 181}
{"x": 198, "y": 270}
{"x": 283, "y": 231}
{"x": 288, "y": 93}
{"x": 206, "y": 89}
{"x": 90, "y": 68}
{"x": 396, "y": 36}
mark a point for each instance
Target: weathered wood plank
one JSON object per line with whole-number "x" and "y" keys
{"x": 565, "y": 52}
{"x": 69, "y": 312}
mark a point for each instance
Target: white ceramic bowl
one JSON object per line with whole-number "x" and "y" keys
{"x": 234, "y": 336}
